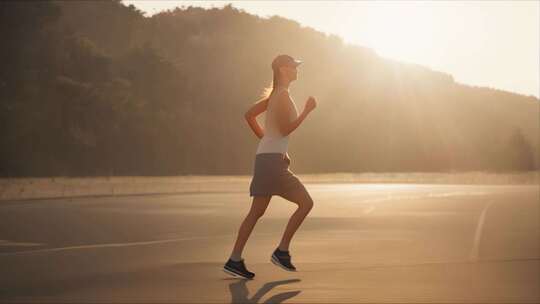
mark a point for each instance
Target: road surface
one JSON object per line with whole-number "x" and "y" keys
{"x": 360, "y": 243}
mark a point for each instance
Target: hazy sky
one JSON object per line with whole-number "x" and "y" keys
{"x": 483, "y": 43}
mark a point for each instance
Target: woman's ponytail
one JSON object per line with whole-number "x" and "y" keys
{"x": 270, "y": 89}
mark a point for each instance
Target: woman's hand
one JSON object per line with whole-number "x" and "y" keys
{"x": 255, "y": 127}
{"x": 310, "y": 104}
{"x": 251, "y": 114}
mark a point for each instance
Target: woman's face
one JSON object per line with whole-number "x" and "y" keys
{"x": 289, "y": 72}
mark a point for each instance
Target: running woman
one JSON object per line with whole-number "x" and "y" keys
{"x": 272, "y": 175}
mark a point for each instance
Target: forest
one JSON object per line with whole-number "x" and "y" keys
{"x": 96, "y": 88}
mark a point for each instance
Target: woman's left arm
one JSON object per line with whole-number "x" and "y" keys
{"x": 252, "y": 113}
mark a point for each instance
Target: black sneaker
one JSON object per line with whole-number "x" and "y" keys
{"x": 238, "y": 269}
{"x": 283, "y": 260}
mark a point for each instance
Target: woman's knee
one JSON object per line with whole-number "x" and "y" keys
{"x": 306, "y": 204}
{"x": 300, "y": 198}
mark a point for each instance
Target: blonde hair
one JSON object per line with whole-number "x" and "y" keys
{"x": 270, "y": 89}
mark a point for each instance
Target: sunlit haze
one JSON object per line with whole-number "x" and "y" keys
{"x": 484, "y": 43}
{"x": 163, "y": 151}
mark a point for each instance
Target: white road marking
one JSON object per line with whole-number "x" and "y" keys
{"x": 369, "y": 210}
{"x": 112, "y": 245}
{"x": 10, "y": 243}
{"x": 474, "y": 252}
{"x": 405, "y": 197}
{"x": 473, "y": 256}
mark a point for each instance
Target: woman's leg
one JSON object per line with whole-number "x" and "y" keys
{"x": 258, "y": 207}
{"x": 305, "y": 203}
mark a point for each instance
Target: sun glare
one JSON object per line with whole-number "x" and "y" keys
{"x": 397, "y": 30}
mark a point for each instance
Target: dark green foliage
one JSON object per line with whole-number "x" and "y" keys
{"x": 96, "y": 88}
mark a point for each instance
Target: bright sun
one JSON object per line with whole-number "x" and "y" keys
{"x": 396, "y": 30}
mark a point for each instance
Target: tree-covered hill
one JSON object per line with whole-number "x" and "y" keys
{"x": 97, "y": 88}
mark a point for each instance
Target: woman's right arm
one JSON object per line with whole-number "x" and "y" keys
{"x": 251, "y": 116}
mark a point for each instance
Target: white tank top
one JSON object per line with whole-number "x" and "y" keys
{"x": 273, "y": 141}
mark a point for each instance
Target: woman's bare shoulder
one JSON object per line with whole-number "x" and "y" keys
{"x": 283, "y": 94}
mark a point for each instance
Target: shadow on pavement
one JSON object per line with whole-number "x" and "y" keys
{"x": 240, "y": 293}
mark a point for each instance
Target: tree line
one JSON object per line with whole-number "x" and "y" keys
{"x": 92, "y": 88}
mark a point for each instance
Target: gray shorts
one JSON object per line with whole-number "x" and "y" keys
{"x": 272, "y": 176}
